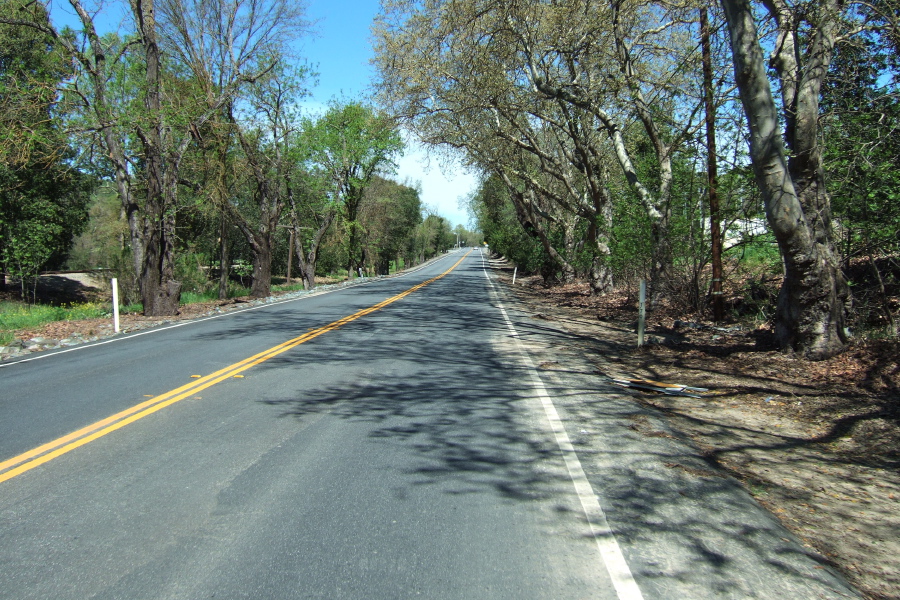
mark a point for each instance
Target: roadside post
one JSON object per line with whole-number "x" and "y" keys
{"x": 515, "y": 270}
{"x": 642, "y": 313}
{"x": 115, "y": 302}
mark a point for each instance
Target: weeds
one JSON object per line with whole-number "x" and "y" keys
{"x": 18, "y": 315}
{"x": 234, "y": 291}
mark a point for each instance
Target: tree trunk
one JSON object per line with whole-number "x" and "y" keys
{"x": 308, "y": 273}
{"x": 814, "y": 299}
{"x": 601, "y": 277}
{"x": 224, "y": 259}
{"x": 308, "y": 259}
{"x": 159, "y": 290}
{"x": 712, "y": 171}
{"x": 262, "y": 267}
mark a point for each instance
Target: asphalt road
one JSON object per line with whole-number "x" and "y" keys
{"x": 389, "y": 440}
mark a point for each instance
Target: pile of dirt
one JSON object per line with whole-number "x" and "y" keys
{"x": 817, "y": 443}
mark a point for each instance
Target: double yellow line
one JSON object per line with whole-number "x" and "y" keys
{"x": 26, "y": 461}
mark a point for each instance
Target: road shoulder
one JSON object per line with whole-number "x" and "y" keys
{"x": 688, "y": 529}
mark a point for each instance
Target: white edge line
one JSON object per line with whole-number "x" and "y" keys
{"x": 210, "y": 318}
{"x": 616, "y": 565}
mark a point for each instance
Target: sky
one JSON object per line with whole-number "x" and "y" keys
{"x": 342, "y": 48}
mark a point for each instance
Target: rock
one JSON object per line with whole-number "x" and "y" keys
{"x": 39, "y": 340}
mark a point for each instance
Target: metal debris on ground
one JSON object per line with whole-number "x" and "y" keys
{"x": 672, "y": 389}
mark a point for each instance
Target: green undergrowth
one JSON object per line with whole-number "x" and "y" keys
{"x": 16, "y": 316}
{"x": 19, "y": 315}
{"x": 294, "y": 287}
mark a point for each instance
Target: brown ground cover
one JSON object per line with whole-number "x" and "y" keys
{"x": 817, "y": 443}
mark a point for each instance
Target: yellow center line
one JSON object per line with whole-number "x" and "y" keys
{"x": 47, "y": 452}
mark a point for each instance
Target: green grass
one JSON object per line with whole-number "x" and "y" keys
{"x": 294, "y": 287}
{"x": 18, "y": 315}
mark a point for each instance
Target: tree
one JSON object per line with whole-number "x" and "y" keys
{"x": 388, "y": 215}
{"x": 43, "y": 197}
{"x": 267, "y": 137}
{"x": 814, "y": 300}
{"x": 186, "y": 59}
{"x": 502, "y": 81}
{"x": 351, "y": 143}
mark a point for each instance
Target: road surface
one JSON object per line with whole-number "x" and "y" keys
{"x": 394, "y": 439}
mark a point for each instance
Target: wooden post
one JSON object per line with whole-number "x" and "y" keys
{"x": 115, "y": 303}
{"x": 290, "y": 256}
{"x": 642, "y": 312}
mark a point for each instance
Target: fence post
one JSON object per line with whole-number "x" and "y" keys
{"x": 642, "y": 313}
{"x": 115, "y": 302}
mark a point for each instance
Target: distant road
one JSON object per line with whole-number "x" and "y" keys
{"x": 389, "y": 440}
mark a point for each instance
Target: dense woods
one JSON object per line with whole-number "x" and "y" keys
{"x": 629, "y": 139}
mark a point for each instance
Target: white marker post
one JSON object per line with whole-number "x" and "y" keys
{"x": 115, "y": 288}
{"x": 515, "y": 270}
{"x": 642, "y": 312}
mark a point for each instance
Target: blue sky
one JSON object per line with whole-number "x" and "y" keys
{"x": 342, "y": 49}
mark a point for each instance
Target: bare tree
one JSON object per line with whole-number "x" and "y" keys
{"x": 815, "y": 298}
{"x": 480, "y": 59}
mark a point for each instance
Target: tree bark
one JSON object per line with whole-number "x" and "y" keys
{"x": 160, "y": 291}
{"x": 224, "y": 258}
{"x": 715, "y": 227}
{"x": 262, "y": 266}
{"x": 601, "y": 277}
{"x": 814, "y": 298}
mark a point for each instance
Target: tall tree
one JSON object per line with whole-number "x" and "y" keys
{"x": 712, "y": 190}
{"x": 389, "y": 214}
{"x": 214, "y": 47}
{"x": 351, "y": 143}
{"x": 814, "y": 300}
{"x": 268, "y": 139}
{"x": 43, "y": 197}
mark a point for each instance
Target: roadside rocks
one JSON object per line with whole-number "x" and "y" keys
{"x": 18, "y": 348}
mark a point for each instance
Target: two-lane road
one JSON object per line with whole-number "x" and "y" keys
{"x": 389, "y": 440}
